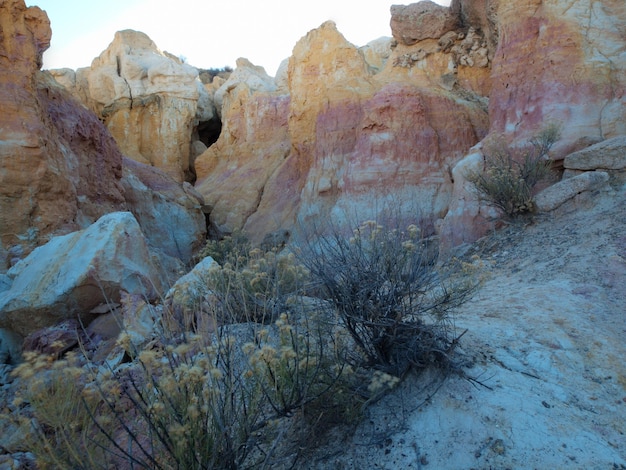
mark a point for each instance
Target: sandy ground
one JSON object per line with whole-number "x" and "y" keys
{"x": 546, "y": 339}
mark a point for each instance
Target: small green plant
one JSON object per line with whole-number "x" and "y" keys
{"x": 510, "y": 174}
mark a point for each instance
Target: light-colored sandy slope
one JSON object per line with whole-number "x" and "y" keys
{"x": 546, "y": 334}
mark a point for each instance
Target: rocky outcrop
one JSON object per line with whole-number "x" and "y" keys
{"x": 423, "y": 20}
{"x": 168, "y": 212}
{"x": 343, "y": 136}
{"x": 59, "y": 167}
{"x": 71, "y": 274}
{"x": 92, "y": 158}
{"x": 150, "y": 101}
{"x": 254, "y": 141}
{"x": 377, "y": 52}
{"x": 341, "y": 127}
{"x": 557, "y": 61}
{"x": 561, "y": 61}
{"x": 606, "y": 155}
{"x": 467, "y": 218}
{"x": 324, "y": 70}
{"x": 557, "y": 194}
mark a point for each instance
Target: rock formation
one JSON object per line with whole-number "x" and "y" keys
{"x": 341, "y": 127}
{"x": 150, "y": 101}
{"x": 606, "y": 155}
{"x": 72, "y": 274}
{"x": 59, "y": 168}
{"x": 424, "y": 20}
{"x": 337, "y": 138}
{"x": 169, "y": 213}
{"x": 558, "y": 61}
{"x": 557, "y": 194}
{"x": 253, "y": 142}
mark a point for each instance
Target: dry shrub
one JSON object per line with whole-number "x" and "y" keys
{"x": 222, "y": 400}
{"x": 251, "y": 284}
{"x": 383, "y": 285}
{"x": 62, "y": 431}
{"x": 227, "y": 249}
{"x": 510, "y": 174}
{"x": 186, "y": 403}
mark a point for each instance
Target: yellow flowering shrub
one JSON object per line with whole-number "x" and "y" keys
{"x": 510, "y": 174}
{"x": 255, "y": 285}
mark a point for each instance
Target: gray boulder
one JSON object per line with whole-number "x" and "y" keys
{"x": 555, "y": 195}
{"x": 609, "y": 154}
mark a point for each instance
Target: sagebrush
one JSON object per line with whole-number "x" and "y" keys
{"x": 189, "y": 401}
{"x": 383, "y": 284}
{"x": 510, "y": 174}
{"x": 376, "y": 307}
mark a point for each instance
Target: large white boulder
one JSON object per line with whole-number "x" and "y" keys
{"x": 72, "y": 274}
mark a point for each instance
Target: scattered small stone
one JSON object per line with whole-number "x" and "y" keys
{"x": 498, "y": 447}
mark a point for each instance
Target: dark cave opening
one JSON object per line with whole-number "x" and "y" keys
{"x": 209, "y": 131}
{"x": 206, "y": 132}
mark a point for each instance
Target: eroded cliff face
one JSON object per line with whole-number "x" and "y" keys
{"x": 341, "y": 128}
{"x": 59, "y": 168}
{"x": 150, "y": 101}
{"x": 253, "y": 143}
{"x": 556, "y": 61}
{"x": 560, "y": 60}
{"x": 346, "y": 135}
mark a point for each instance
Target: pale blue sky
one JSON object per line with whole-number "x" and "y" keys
{"x": 207, "y": 33}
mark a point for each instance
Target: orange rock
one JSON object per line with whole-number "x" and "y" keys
{"x": 342, "y": 138}
{"x": 253, "y": 142}
{"x": 149, "y": 100}
{"x": 59, "y": 167}
{"x": 560, "y": 61}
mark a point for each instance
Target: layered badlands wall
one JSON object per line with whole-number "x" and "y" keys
{"x": 351, "y": 129}
{"x": 339, "y": 130}
{"x": 343, "y": 129}
{"x": 60, "y": 167}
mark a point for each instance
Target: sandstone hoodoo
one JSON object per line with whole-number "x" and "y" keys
{"x": 151, "y": 102}
{"x": 347, "y": 136}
